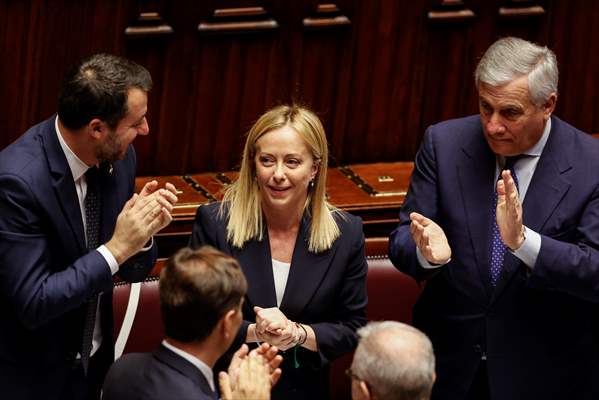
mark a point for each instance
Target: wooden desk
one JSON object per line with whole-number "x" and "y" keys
{"x": 373, "y": 192}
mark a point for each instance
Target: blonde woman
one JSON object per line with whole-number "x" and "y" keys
{"x": 303, "y": 259}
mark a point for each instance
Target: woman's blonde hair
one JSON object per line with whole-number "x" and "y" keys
{"x": 242, "y": 201}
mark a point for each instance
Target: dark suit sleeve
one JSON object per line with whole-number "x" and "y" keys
{"x": 338, "y": 335}
{"x": 421, "y": 198}
{"x": 39, "y": 289}
{"x": 569, "y": 260}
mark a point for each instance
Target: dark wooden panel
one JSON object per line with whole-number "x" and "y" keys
{"x": 322, "y": 74}
{"x": 377, "y": 72}
{"x": 229, "y": 91}
{"x": 383, "y": 117}
{"x": 574, "y": 36}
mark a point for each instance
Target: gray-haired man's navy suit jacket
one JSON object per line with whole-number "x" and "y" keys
{"x": 535, "y": 327}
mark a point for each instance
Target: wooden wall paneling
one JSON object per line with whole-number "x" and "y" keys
{"x": 365, "y": 41}
{"x": 106, "y": 32}
{"x": 148, "y": 40}
{"x": 449, "y": 11}
{"x": 68, "y": 32}
{"x": 324, "y": 69}
{"x": 14, "y": 24}
{"x": 377, "y": 82}
{"x": 285, "y": 62}
{"x": 170, "y": 60}
{"x": 150, "y": 21}
{"x": 161, "y": 149}
{"x": 7, "y": 98}
{"x": 520, "y": 9}
{"x": 338, "y": 122}
{"x": 573, "y": 37}
{"x": 449, "y": 66}
{"x": 243, "y": 67}
{"x": 208, "y": 87}
{"x": 524, "y": 19}
{"x": 382, "y": 127}
{"x": 406, "y": 83}
{"x": 229, "y": 94}
{"x": 27, "y": 33}
{"x": 43, "y": 39}
{"x": 372, "y": 118}
{"x": 326, "y": 15}
{"x": 484, "y": 31}
{"x": 238, "y": 19}
{"x": 591, "y": 89}
{"x": 280, "y": 73}
{"x": 258, "y": 83}
{"x": 31, "y": 68}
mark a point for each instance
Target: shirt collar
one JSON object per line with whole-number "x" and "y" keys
{"x": 77, "y": 167}
{"x": 201, "y": 365}
{"x": 537, "y": 149}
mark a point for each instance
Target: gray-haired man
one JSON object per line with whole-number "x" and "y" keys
{"x": 393, "y": 361}
{"x": 502, "y": 218}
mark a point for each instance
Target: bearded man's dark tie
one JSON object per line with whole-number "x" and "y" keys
{"x": 92, "y": 223}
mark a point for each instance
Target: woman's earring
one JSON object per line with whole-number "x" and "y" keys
{"x": 311, "y": 184}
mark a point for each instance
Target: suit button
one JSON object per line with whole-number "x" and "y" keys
{"x": 477, "y": 348}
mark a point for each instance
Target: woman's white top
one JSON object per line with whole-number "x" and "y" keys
{"x": 280, "y": 272}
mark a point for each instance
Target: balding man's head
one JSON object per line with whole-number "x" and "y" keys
{"x": 392, "y": 361}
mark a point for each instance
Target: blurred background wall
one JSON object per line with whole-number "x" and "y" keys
{"x": 378, "y": 72}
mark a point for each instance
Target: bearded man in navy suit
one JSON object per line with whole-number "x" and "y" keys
{"x": 69, "y": 221}
{"x": 502, "y": 221}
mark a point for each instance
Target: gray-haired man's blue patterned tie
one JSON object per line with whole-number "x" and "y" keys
{"x": 498, "y": 249}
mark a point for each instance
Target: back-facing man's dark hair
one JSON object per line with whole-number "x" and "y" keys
{"x": 197, "y": 287}
{"x": 96, "y": 87}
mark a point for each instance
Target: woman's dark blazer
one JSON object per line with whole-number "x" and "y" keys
{"x": 325, "y": 290}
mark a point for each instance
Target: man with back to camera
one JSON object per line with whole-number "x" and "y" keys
{"x": 201, "y": 293}
{"x": 69, "y": 221}
{"x": 502, "y": 219}
{"x": 393, "y": 361}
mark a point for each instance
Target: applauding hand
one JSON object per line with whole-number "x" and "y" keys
{"x": 143, "y": 215}
{"x": 251, "y": 376}
{"x": 509, "y": 212}
{"x": 430, "y": 239}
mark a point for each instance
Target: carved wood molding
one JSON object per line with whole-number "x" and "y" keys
{"x": 235, "y": 20}
{"x": 327, "y": 15}
{"x": 520, "y": 9}
{"x": 450, "y": 11}
{"x": 148, "y": 24}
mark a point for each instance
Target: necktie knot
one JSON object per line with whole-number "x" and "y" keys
{"x": 91, "y": 176}
{"x": 510, "y": 161}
